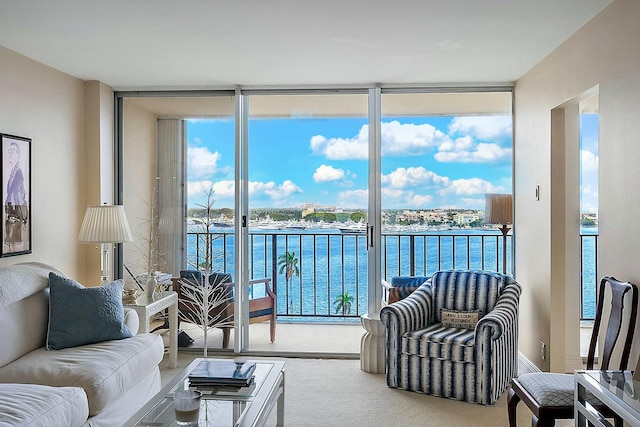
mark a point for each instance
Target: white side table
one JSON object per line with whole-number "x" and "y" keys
{"x": 148, "y": 306}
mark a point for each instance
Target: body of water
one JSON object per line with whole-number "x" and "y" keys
{"x": 332, "y": 263}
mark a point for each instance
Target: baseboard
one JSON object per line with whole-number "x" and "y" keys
{"x": 525, "y": 365}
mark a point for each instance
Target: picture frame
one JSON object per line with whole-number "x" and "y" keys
{"x": 15, "y": 161}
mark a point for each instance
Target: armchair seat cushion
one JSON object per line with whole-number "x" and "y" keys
{"x": 436, "y": 341}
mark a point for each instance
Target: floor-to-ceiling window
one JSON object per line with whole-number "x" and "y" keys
{"x": 589, "y": 143}
{"x": 308, "y": 175}
{"x": 308, "y": 172}
{"x": 441, "y": 153}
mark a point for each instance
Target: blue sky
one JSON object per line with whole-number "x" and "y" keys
{"x": 427, "y": 162}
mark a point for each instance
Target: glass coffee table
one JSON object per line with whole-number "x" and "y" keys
{"x": 243, "y": 407}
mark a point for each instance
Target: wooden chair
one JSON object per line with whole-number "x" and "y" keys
{"x": 549, "y": 396}
{"x": 400, "y": 287}
{"x": 261, "y": 309}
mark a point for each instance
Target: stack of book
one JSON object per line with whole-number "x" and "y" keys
{"x": 222, "y": 373}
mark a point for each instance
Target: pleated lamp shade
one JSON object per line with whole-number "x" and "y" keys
{"x": 105, "y": 224}
{"x": 498, "y": 209}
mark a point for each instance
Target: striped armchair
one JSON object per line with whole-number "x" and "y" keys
{"x": 474, "y": 365}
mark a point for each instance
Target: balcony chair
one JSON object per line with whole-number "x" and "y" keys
{"x": 435, "y": 346}
{"x": 261, "y": 309}
{"x": 400, "y": 287}
{"x": 549, "y": 396}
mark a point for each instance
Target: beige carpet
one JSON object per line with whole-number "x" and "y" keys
{"x": 331, "y": 393}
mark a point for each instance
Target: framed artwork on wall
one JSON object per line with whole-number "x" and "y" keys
{"x": 15, "y": 159}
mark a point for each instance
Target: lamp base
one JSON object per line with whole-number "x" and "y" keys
{"x": 504, "y": 229}
{"x": 151, "y": 286}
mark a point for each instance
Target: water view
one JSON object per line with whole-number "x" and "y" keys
{"x": 333, "y": 262}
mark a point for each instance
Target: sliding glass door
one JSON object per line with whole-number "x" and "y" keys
{"x": 309, "y": 198}
{"x": 307, "y": 189}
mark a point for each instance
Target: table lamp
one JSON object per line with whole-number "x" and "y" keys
{"x": 105, "y": 225}
{"x": 499, "y": 210}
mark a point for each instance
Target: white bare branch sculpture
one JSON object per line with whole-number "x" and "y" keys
{"x": 206, "y": 303}
{"x": 206, "y": 297}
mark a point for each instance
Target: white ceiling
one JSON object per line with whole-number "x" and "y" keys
{"x": 147, "y": 44}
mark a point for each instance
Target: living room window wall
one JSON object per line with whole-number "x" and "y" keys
{"x": 287, "y": 176}
{"x": 441, "y": 153}
{"x": 308, "y": 177}
{"x": 176, "y": 147}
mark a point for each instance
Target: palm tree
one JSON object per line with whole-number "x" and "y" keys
{"x": 288, "y": 262}
{"x": 343, "y": 303}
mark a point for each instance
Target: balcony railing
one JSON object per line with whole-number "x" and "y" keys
{"x": 333, "y": 266}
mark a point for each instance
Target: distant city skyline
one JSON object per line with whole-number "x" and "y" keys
{"x": 427, "y": 162}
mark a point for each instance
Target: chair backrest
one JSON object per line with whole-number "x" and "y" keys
{"x": 466, "y": 290}
{"x": 220, "y": 281}
{"x": 614, "y": 326}
{"x": 214, "y": 278}
{"x": 191, "y": 275}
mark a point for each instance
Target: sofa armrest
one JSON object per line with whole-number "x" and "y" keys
{"x": 410, "y": 313}
{"x": 131, "y": 320}
{"x": 504, "y": 315}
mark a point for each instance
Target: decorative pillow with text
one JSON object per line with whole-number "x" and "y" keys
{"x": 79, "y": 315}
{"x": 460, "y": 319}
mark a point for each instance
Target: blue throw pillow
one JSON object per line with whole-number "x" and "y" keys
{"x": 79, "y": 315}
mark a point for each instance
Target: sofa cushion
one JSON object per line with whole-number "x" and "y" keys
{"x": 439, "y": 342}
{"x": 79, "y": 315}
{"x": 104, "y": 370}
{"x": 42, "y": 406}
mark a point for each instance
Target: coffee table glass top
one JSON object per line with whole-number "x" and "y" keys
{"x": 220, "y": 406}
{"x": 213, "y": 413}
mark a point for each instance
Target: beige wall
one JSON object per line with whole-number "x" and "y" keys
{"x": 99, "y": 171}
{"x": 139, "y": 175}
{"x": 47, "y": 106}
{"x": 602, "y": 54}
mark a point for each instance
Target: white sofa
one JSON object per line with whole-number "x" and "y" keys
{"x": 94, "y": 385}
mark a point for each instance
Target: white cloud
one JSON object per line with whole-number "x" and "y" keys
{"x": 412, "y": 177}
{"x": 408, "y": 139}
{"x": 203, "y": 163}
{"x": 353, "y": 199}
{"x": 484, "y": 128}
{"x": 589, "y": 162}
{"x": 397, "y": 140}
{"x": 326, "y": 173}
{"x": 420, "y": 200}
{"x": 393, "y": 198}
{"x": 482, "y": 153}
{"x": 342, "y": 148}
{"x": 197, "y": 189}
{"x": 275, "y": 192}
{"x": 470, "y": 187}
{"x": 225, "y": 188}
